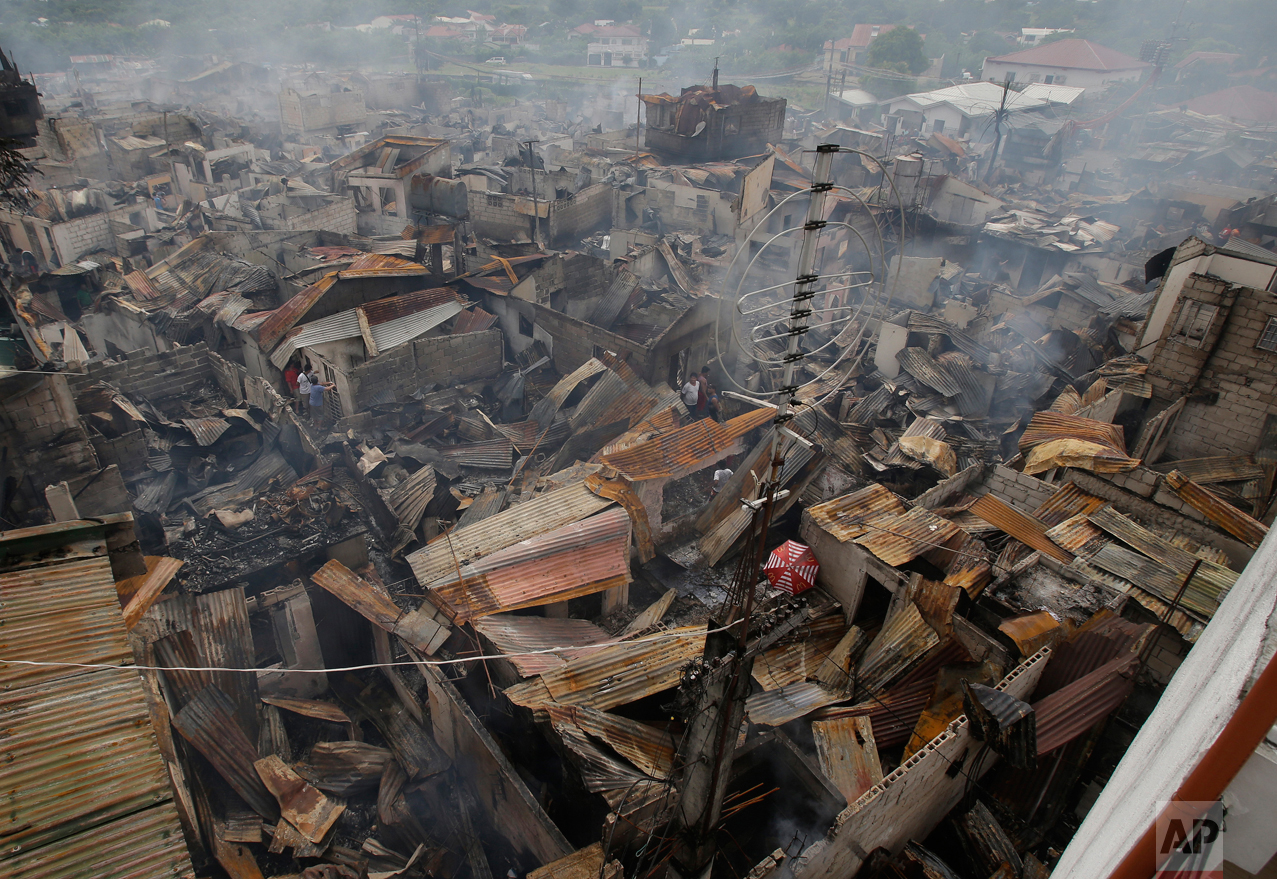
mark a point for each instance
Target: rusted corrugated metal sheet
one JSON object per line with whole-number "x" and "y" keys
{"x": 497, "y": 454}
{"x": 1021, "y": 526}
{"x": 1226, "y": 516}
{"x": 141, "y": 286}
{"x": 845, "y": 517}
{"x": 848, "y": 754}
{"x": 1047, "y": 426}
{"x": 616, "y": 675}
{"x": 1103, "y": 637}
{"x": 1075, "y": 708}
{"x": 548, "y": 406}
{"x": 206, "y": 430}
{"x": 970, "y": 569}
{"x": 902, "y": 643}
{"x": 527, "y": 435}
{"x": 1190, "y": 628}
{"x": 601, "y": 773}
{"x": 486, "y": 504}
{"x": 1077, "y": 535}
{"x": 651, "y": 750}
{"x": 921, "y": 427}
{"x": 926, "y": 323}
{"x": 208, "y": 723}
{"x": 345, "y": 768}
{"x": 899, "y": 539}
{"x": 1031, "y": 632}
{"x": 474, "y": 320}
{"x": 283, "y": 319}
{"x": 1206, "y": 471}
{"x": 578, "y": 559}
{"x": 1080, "y": 454}
{"x": 82, "y": 776}
{"x": 512, "y": 634}
{"x": 799, "y": 659}
{"x": 778, "y": 707}
{"x": 417, "y": 627}
{"x": 618, "y": 294}
{"x": 919, "y": 364}
{"x": 392, "y": 333}
{"x": 584, "y": 864}
{"x": 441, "y": 558}
{"x": 65, "y": 613}
{"x": 77, "y": 751}
{"x": 1210, "y": 583}
{"x": 1068, "y": 501}
{"x": 685, "y": 450}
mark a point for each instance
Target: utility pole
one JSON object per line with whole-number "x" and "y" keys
{"x": 998, "y": 116}
{"x": 536, "y": 211}
{"x": 714, "y": 82}
{"x": 168, "y": 154}
{"x": 829, "y": 79}
{"x": 638, "y": 118}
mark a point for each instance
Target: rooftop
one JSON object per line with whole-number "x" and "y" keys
{"x": 1073, "y": 55}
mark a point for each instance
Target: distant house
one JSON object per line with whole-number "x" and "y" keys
{"x": 1201, "y": 62}
{"x": 964, "y": 110}
{"x": 509, "y": 34}
{"x": 1031, "y": 36}
{"x": 1067, "y": 62}
{"x": 1242, "y": 103}
{"x": 620, "y": 45}
{"x": 851, "y": 50}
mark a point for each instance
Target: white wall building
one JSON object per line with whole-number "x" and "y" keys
{"x": 1067, "y": 62}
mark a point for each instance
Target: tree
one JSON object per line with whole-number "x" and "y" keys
{"x": 899, "y": 49}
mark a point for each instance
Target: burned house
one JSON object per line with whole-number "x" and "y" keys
{"x": 712, "y": 122}
{"x": 20, "y": 108}
{"x": 395, "y": 179}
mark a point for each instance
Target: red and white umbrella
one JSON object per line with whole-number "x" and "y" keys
{"x": 792, "y": 567}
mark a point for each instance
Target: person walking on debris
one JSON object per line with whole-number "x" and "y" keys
{"x": 317, "y": 389}
{"x": 703, "y": 393}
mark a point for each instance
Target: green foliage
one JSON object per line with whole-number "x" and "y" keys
{"x": 899, "y": 49}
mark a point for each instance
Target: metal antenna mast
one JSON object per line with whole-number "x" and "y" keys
{"x": 727, "y": 663}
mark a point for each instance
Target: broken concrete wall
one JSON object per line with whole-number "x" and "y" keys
{"x": 113, "y": 329}
{"x": 154, "y": 376}
{"x": 913, "y": 799}
{"x": 442, "y": 360}
{"x": 510, "y": 807}
{"x": 1026, "y": 493}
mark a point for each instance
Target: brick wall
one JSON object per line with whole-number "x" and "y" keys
{"x": 495, "y": 215}
{"x": 578, "y": 215}
{"x": 127, "y": 452}
{"x": 1236, "y": 391}
{"x": 1177, "y": 362}
{"x": 1026, "y": 493}
{"x": 442, "y": 360}
{"x": 575, "y": 340}
{"x": 338, "y": 216}
{"x": 154, "y": 377}
{"x": 41, "y": 436}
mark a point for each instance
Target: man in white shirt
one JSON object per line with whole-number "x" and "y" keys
{"x": 691, "y": 390}
{"x": 303, "y": 391}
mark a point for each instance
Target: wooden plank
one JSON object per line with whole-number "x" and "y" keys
{"x": 847, "y": 753}
{"x": 365, "y": 330}
{"x": 144, "y": 589}
{"x": 358, "y": 594}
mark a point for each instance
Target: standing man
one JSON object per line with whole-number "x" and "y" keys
{"x": 691, "y": 390}
{"x": 702, "y": 396}
{"x": 317, "y": 389}
{"x": 303, "y": 392}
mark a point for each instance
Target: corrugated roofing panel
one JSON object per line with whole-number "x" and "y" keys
{"x": 282, "y": 319}
{"x": 1021, "y": 526}
{"x": 141, "y": 286}
{"x": 206, "y": 430}
{"x": 393, "y": 308}
{"x": 618, "y": 293}
{"x": 61, "y": 613}
{"x": 475, "y": 320}
{"x": 1223, "y": 515}
{"x": 848, "y": 754}
{"x": 616, "y": 675}
{"x": 683, "y": 451}
{"x": 919, "y": 364}
{"x": 396, "y": 332}
{"x": 1075, "y": 534}
{"x": 1047, "y": 426}
{"x": 575, "y": 560}
{"x": 497, "y": 454}
{"x": 799, "y": 659}
{"x": 845, "y": 517}
{"x": 921, "y": 427}
{"x": 1067, "y": 501}
{"x": 1103, "y": 637}
{"x": 1075, "y": 708}
{"x": 777, "y": 707}
{"x": 511, "y": 633}
{"x": 77, "y": 751}
{"x": 651, "y": 750}
{"x": 903, "y": 642}
{"x": 441, "y": 558}
{"x": 899, "y": 539}
{"x": 548, "y": 406}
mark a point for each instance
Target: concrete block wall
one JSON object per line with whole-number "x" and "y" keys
{"x": 1026, "y": 493}
{"x": 338, "y": 216}
{"x": 575, "y": 340}
{"x": 1177, "y": 362}
{"x": 229, "y": 376}
{"x": 578, "y": 215}
{"x": 127, "y": 452}
{"x": 155, "y": 377}
{"x": 494, "y": 215}
{"x": 442, "y": 360}
{"x": 1167, "y": 656}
